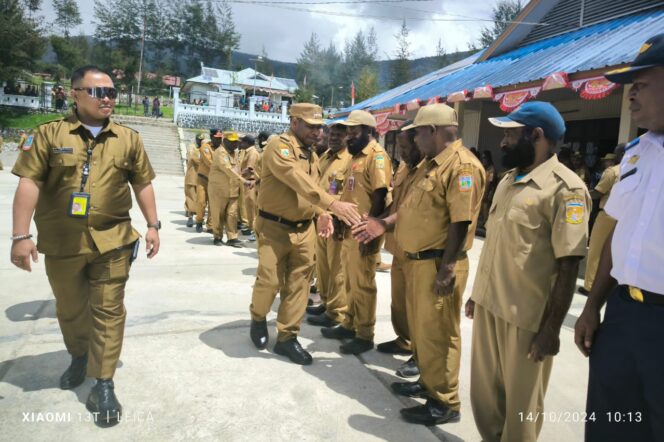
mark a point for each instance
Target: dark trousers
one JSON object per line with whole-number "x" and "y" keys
{"x": 626, "y": 383}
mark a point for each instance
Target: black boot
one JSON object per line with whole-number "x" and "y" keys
{"x": 199, "y": 227}
{"x": 258, "y": 333}
{"x": 103, "y": 404}
{"x": 218, "y": 242}
{"x": 321, "y": 320}
{"x": 190, "y": 222}
{"x": 431, "y": 413}
{"x": 409, "y": 389}
{"x": 337, "y": 332}
{"x": 234, "y": 243}
{"x": 356, "y": 346}
{"x": 75, "y": 374}
{"x": 293, "y": 351}
{"x": 408, "y": 369}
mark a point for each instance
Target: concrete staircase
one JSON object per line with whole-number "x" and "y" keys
{"x": 161, "y": 141}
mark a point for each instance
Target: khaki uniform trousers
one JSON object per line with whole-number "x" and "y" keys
{"x": 400, "y": 308}
{"x": 331, "y": 281}
{"x": 601, "y": 229}
{"x": 89, "y": 300}
{"x": 202, "y": 201}
{"x": 361, "y": 291}
{"x": 436, "y": 332}
{"x": 250, "y": 196}
{"x": 223, "y": 213}
{"x": 190, "y": 199}
{"x": 243, "y": 214}
{"x": 505, "y": 386}
{"x": 285, "y": 265}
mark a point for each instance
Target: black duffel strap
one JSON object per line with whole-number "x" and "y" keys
{"x": 431, "y": 254}
{"x": 284, "y": 221}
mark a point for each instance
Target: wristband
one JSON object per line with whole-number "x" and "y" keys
{"x": 21, "y": 237}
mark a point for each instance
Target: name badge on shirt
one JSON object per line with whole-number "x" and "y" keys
{"x": 79, "y": 205}
{"x": 62, "y": 150}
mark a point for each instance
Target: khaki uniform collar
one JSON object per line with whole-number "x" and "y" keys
{"x": 296, "y": 141}
{"x": 76, "y": 125}
{"x": 540, "y": 174}
{"x": 337, "y": 154}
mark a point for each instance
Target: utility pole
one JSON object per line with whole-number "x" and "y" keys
{"x": 256, "y": 60}
{"x": 140, "y": 64}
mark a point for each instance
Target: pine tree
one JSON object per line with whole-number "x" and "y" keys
{"x": 504, "y": 12}
{"x": 67, "y": 15}
{"x": 401, "y": 65}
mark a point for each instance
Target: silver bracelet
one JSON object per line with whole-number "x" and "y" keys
{"x": 21, "y": 237}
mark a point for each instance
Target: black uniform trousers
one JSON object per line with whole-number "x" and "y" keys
{"x": 626, "y": 382}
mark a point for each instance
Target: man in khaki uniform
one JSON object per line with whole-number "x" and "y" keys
{"x": 435, "y": 227}
{"x": 73, "y": 175}
{"x": 288, "y": 200}
{"x": 249, "y": 170}
{"x": 537, "y": 233}
{"x": 191, "y": 179}
{"x": 243, "y": 217}
{"x": 604, "y": 224}
{"x": 224, "y": 186}
{"x": 366, "y": 185}
{"x": 401, "y": 307}
{"x": 334, "y": 165}
{"x": 202, "y": 197}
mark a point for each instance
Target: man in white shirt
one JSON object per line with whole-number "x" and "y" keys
{"x": 626, "y": 391}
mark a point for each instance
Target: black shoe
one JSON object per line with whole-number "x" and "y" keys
{"x": 409, "y": 389}
{"x": 246, "y": 232}
{"x": 431, "y": 413}
{"x": 583, "y": 291}
{"x": 321, "y": 320}
{"x": 337, "y": 332}
{"x": 251, "y": 238}
{"x": 218, "y": 242}
{"x": 75, "y": 373}
{"x": 190, "y": 222}
{"x": 316, "y": 310}
{"x": 408, "y": 369}
{"x": 234, "y": 243}
{"x": 199, "y": 227}
{"x": 258, "y": 333}
{"x": 293, "y": 351}
{"x": 103, "y": 404}
{"x": 393, "y": 348}
{"x": 356, "y": 346}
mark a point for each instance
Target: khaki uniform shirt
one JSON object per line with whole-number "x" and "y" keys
{"x": 56, "y": 157}
{"x": 334, "y": 165}
{"x": 609, "y": 178}
{"x": 532, "y": 222}
{"x": 446, "y": 189}
{"x": 193, "y": 159}
{"x": 250, "y": 161}
{"x": 224, "y": 173}
{"x": 403, "y": 178}
{"x": 289, "y": 180}
{"x": 371, "y": 170}
{"x": 206, "y": 152}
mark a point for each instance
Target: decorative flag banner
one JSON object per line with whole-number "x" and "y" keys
{"x": 594, "y": 88}
{"x": 483, "y": 92}
{"x": 557, "y": 80}
{"x": 513, "y": 99}
{"x": 458, "y": 96}
{"x": 384, "y": 124}
{"x": 413, "y": 104}
{"x": 397, "y": 109}
{"x": 434, "y": 100}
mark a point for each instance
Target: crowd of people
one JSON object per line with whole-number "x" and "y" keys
{"x": 28, "y": 90}
{"x": 325, "y": 201}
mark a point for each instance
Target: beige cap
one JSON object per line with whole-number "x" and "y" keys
{"x": 359, "y": 117}
{"x": 310, "y": 113}
{"x": 434, "y": 115}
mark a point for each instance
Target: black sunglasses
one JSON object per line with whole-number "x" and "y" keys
{"x": 100, "y": 92}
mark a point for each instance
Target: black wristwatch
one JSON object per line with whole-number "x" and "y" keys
{"x": 155, "y": 226}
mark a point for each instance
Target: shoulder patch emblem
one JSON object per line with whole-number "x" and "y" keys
{"x": 28, "y": 143}
{"x": 465, "y": 181}
{"x": 380, "y": 161}
{"x": 574, "y": 210}
{"x": 285, "y": 153}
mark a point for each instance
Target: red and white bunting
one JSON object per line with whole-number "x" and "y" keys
{"x": 557, "y": 80}
{"x": 513, "y": 99}
{"x": 456, "y": 97}
{"x": 483, "y": 92}
{"x": 594, "y": 88}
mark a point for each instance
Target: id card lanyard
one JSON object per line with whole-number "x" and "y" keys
{"x": 79, "y": 203}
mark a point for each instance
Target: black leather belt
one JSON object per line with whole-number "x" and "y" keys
{"x": 430, "y": 254}
{"x": 644, "y": 296}
{"x": 284, "y": 221}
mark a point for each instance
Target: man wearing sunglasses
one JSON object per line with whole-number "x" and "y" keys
{"x": 73, "y": 176}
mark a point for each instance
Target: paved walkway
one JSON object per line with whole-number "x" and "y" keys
{"x": 189, "y": 371}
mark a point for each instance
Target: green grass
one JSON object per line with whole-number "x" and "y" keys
{"x": 23, "y": 120}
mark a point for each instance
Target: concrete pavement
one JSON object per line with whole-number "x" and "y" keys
{"x": 189, "y": 371}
